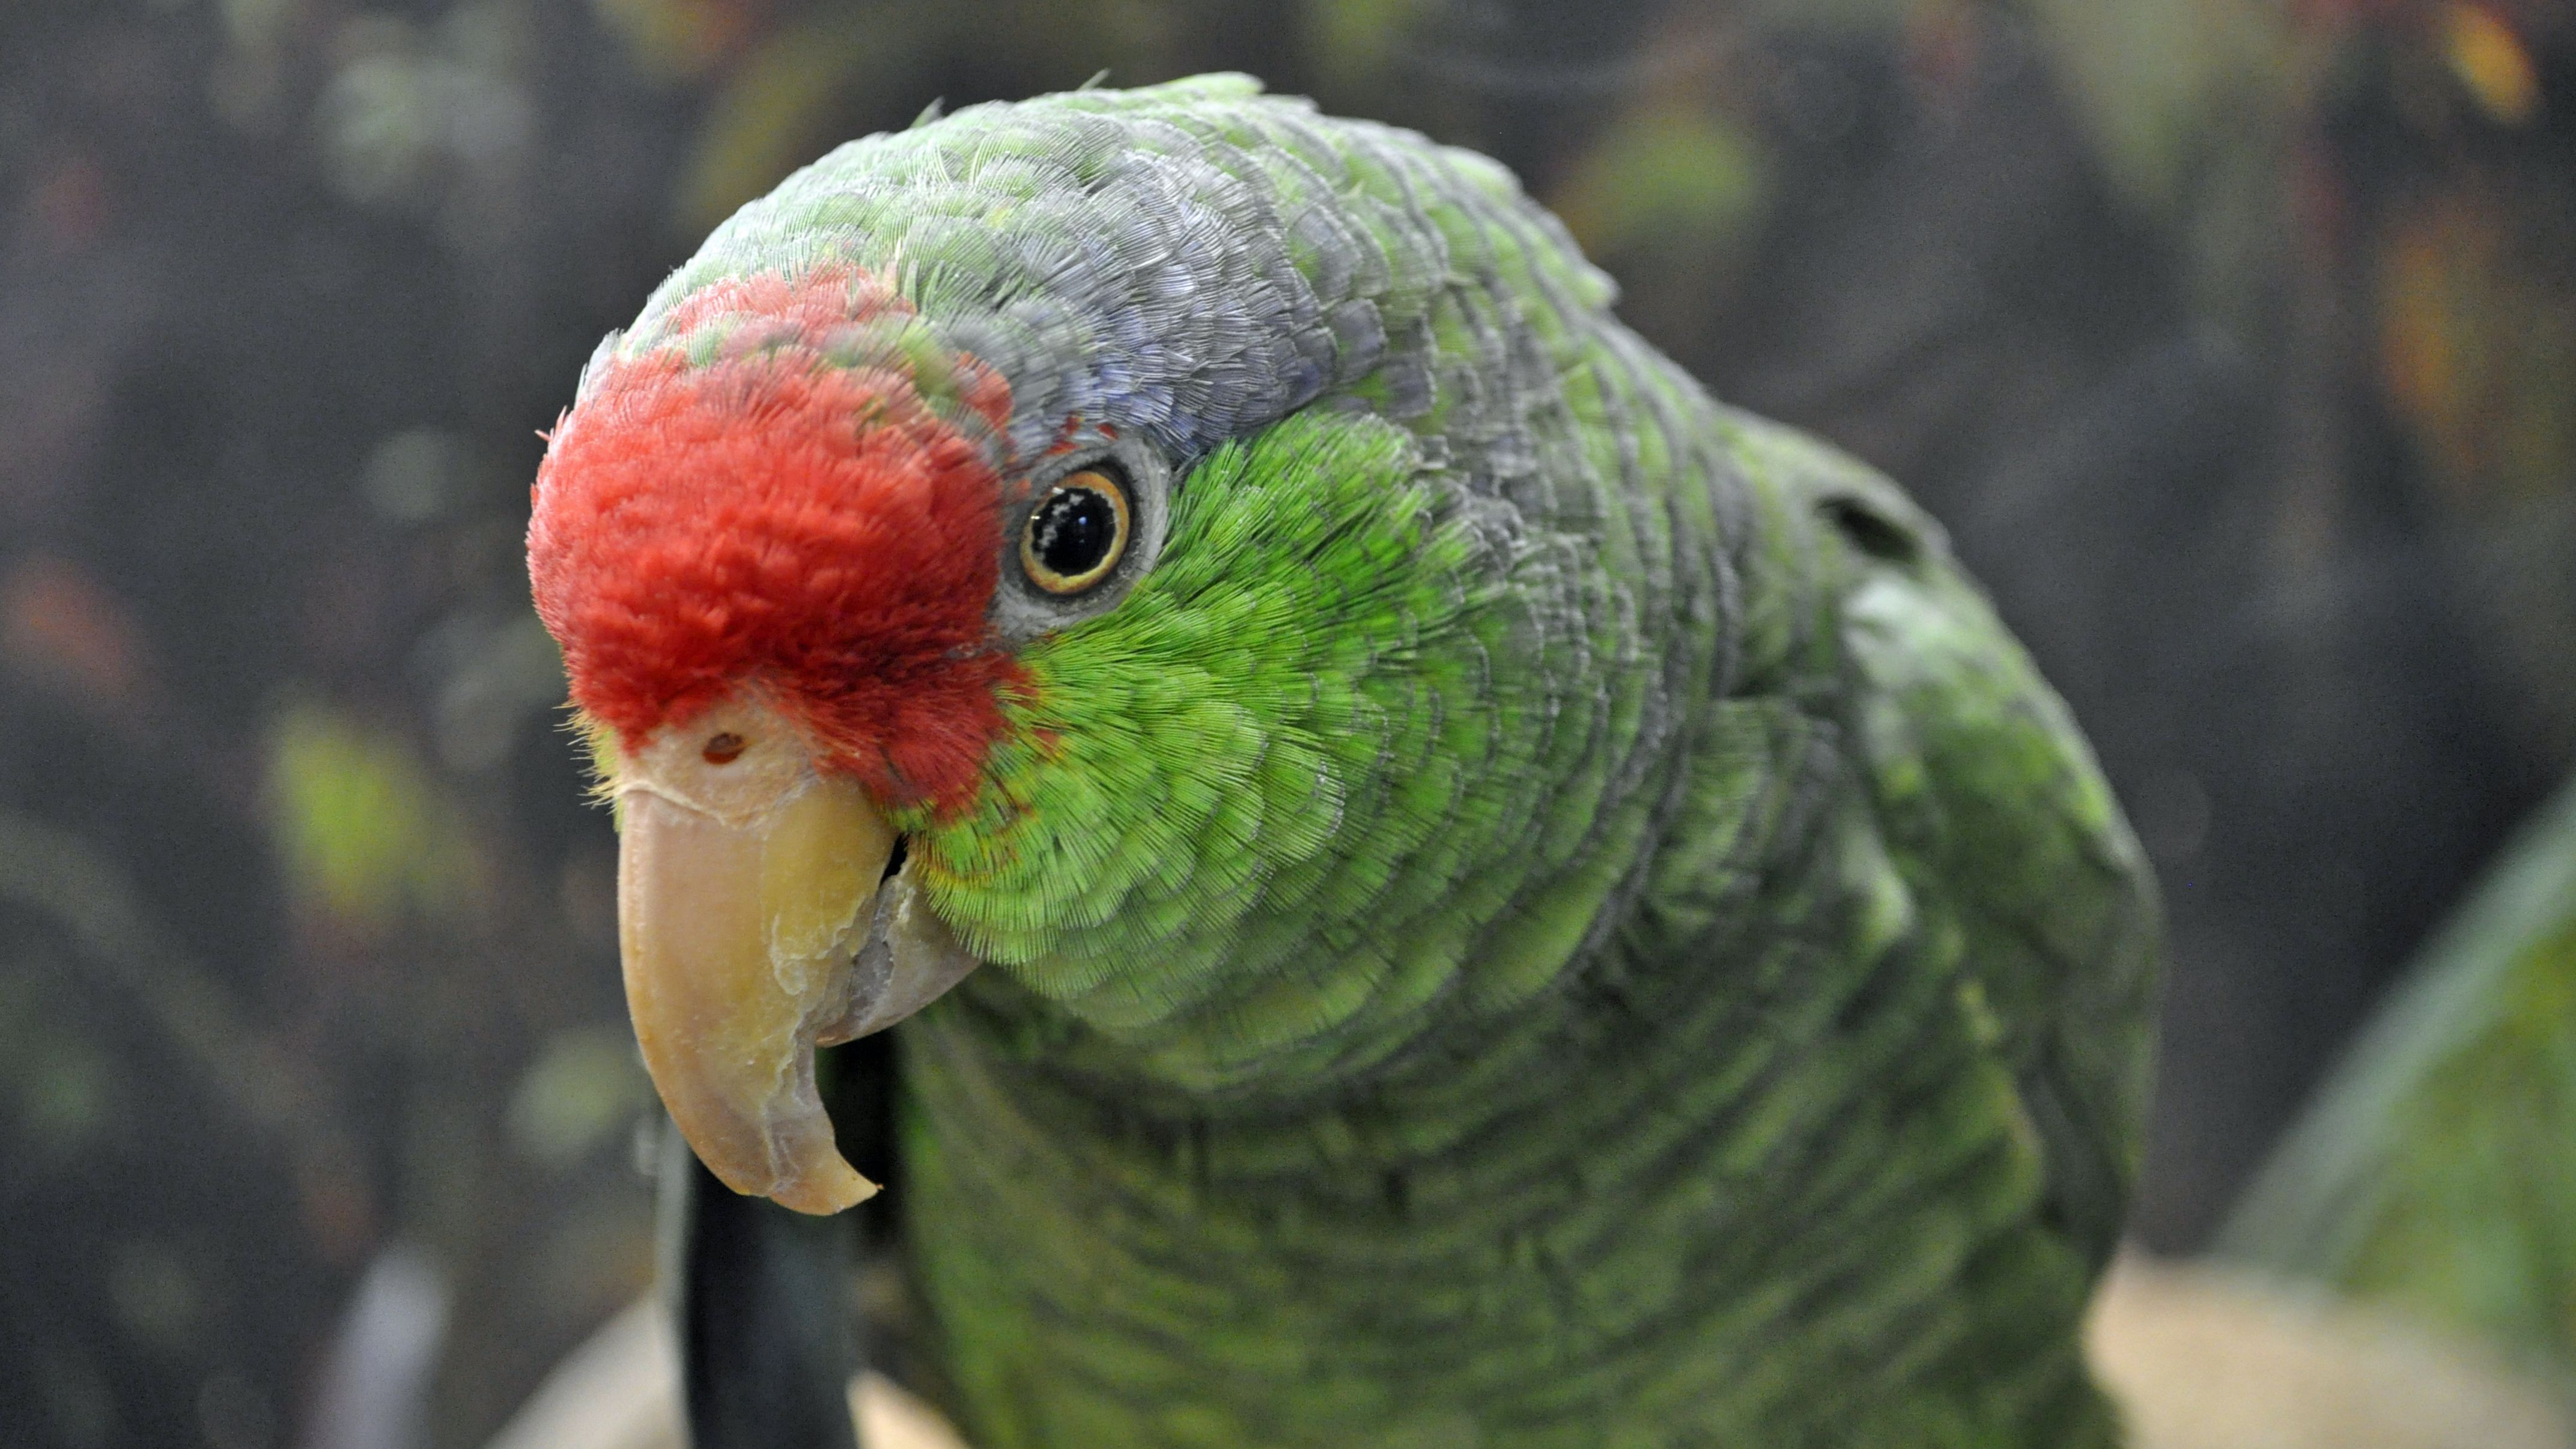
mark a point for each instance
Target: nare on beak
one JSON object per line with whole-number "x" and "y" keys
{"x": 758, "y": 920}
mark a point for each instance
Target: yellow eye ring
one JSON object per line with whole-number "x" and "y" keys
{"x": 1077, "y": 533}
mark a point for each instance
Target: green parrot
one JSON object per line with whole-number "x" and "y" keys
{"x": 1456, "y": 891}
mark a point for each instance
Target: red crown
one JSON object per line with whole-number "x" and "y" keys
{"x": 778, "y": 521}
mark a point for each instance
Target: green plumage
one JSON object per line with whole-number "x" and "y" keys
{"x": 1553, "y": 916}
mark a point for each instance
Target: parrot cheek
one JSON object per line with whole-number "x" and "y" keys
{"x": 756, "y": 923}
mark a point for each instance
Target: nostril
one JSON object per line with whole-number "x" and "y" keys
{"x": 723, "y": 749}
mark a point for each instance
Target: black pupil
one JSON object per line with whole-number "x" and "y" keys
{"x": 1073, "y": 531}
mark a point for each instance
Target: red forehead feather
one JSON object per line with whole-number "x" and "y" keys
{"x": 772, "y": 520}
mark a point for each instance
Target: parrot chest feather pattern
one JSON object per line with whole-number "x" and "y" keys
{"x": 1519, "y": 907}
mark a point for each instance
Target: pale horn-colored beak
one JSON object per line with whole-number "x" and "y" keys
{"x": 754, "y": 930}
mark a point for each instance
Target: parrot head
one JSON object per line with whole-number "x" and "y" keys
{"x": 773, "y": 570}
{"x": 994, "y": 551}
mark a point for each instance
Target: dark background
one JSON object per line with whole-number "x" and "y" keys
{"x": 2235, "y": 340}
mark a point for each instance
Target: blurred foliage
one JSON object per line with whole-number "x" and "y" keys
{"x": 2231, "y": 338}
{"x": 2477, "y": 355}
{"x": 2436, "y": 1172}
{"x": 360, "y": 824}
{"x": 584, "y": 1088}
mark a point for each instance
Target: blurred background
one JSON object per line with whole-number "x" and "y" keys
{"x": 2234, "y": 340}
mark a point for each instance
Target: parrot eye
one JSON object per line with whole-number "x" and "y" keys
{"x": 722, "y": 749}
{"x": 1077, "y": 533}
{"x": 1092, "y": 526}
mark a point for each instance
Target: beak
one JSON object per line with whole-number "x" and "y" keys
{"x": 756, "y": 924}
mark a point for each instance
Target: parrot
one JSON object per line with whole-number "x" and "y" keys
{"x": 1442, "y": 886}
